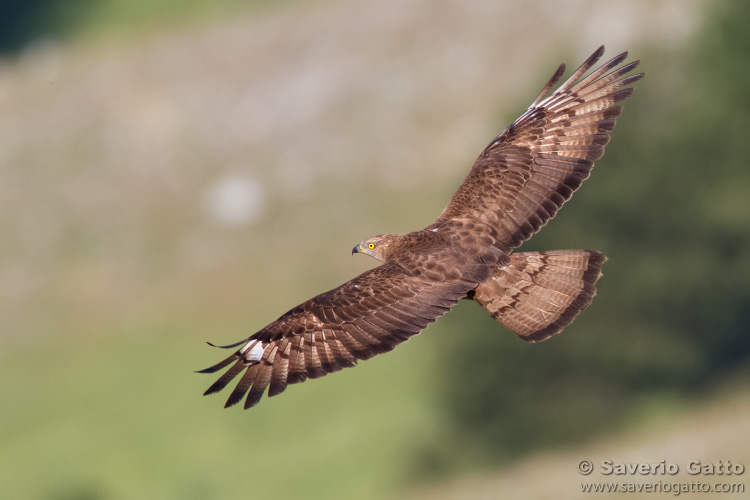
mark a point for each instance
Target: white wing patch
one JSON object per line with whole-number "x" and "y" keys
{"x": 255, "y": 349}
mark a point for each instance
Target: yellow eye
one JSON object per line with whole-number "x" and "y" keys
{"x": 371, "y": 245}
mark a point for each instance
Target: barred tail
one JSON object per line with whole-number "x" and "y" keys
{"x": 540, "y": 293}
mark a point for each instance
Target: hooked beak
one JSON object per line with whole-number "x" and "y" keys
{"x": 356, "y": 249}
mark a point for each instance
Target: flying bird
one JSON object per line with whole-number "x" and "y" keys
{"x": 515, "y": 187}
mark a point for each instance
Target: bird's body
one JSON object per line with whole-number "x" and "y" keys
{"x": 515, "y": 186}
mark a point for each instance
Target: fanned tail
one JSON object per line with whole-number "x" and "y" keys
{"x": 540, "y": 293}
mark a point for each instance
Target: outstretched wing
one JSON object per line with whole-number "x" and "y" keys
{"x": 364, "y": 317}
{"x": 524, "y": 176}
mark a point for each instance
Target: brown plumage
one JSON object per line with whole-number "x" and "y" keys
{"x": 517, "y": 184}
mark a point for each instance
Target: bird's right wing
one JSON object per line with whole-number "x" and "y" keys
{"x": 366, "y": 316}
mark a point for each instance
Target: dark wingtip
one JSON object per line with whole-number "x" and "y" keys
{"x": 617, "y": 59}
{"x": 558, "y": 74}
{"x": 228, "y": 346}
{"x": 633, "y": 78}
{"x": 233, "y": 400}
{"x": 220, "y": 365}
{"x": 276, "y": 388}
{"x": 253, "y": 398}
{"x": 551, "y": 83}
{"x": 623, "y": 94}
{"x": 593, "y": 58}
{"x": 216, "y": 387}
{"x": 228, "y": 375}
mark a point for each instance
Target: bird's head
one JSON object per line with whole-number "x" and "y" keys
{"x": 376, "y": 247}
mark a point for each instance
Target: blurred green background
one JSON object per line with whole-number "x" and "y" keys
{"x": 179, "y": 172}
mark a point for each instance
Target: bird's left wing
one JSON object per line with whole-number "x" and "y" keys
{"x": 524, "y": 176}
{"x": 366, "y": 316}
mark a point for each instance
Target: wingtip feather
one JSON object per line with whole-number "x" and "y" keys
{"x": 233, "y": 400}
{"x": 551, "y": 83}
{"x": 228, "y": 346}
{"x": 218, "y": 366}
{"x": 253, "y": 398}
{"x": 228, "y": 376}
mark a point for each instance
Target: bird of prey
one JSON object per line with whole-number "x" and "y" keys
{"x": 515, "y": 187}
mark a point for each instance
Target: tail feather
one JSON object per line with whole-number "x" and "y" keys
{"x": 539, "y": 293}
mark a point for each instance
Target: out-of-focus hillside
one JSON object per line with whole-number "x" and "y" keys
{"x": 165, "y": 188}
{"x": 119, "y": 166}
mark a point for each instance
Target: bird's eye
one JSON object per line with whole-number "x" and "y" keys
{"x": 371, "y": 245}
